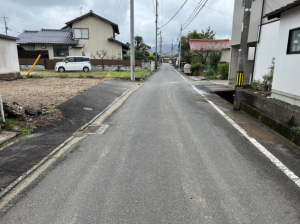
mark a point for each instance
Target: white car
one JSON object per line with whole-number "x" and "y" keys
{"x": 74, "y": 63}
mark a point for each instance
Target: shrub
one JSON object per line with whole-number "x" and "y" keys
{"x": 224, "y": 69}
{"x": 256, "y": 84}
{"x": 197, "y": 69}
{"x": 126, "y": 57}
{"x": 151, "y": 58}
{"x": 210, "y": 73}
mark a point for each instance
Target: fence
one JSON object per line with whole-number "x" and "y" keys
{"x": 50, "y": 63}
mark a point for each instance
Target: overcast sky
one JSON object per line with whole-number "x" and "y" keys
{"x": 51, "y": 14}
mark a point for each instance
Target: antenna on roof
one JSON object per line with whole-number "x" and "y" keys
{"x": 81, "y": 10}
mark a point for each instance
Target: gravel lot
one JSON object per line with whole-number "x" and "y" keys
{"x": 44, "y": 93}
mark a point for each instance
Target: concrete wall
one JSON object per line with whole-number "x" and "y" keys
{"x": 225, "y": 56}
{"x": 287, "y": 66}
{"x": 266, "y": 49}
{"x": 99, "y": 32}
{"x": 75, "y": 51}
{"x": 115, "y": 68}
{"x": 9, "y": 62}
{"x": 149, "y": 65}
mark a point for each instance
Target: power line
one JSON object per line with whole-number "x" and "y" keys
{"x": 196, "y": 14}
{"x": 216, "y": 10}
{"x": 175, "y": 14}
{"x": 63, "y": 14}
{"x": 269, "y": 6}
{"x": 118, "y": 10}
{"x": 276, "y": 3}
{"x": 194, "y": 11}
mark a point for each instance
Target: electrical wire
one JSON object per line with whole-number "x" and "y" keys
{"x": 118, "y": 10}
{"x": 216, "y": 10}
{"x": 138, "y": 21}
{"x": 268, "y": 6}
{"x": 63, "y": 14}
{"x": 175, "y": 14}
{"x": 196, "y": 14}
{"x": 277, "y": 3}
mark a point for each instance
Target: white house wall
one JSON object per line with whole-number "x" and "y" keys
{"x": 9, "y": 62}
{"x": 266, "y": 49}
{"x": 286, "y": 82}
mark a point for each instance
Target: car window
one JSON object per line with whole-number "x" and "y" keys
{"x": 70, "y": 59}
{"x": 86, "y": 59}
{"x": 66, "y": 59}
{"x": 78, "y": 59}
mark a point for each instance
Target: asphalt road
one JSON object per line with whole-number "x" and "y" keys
{"x": 167, "y": 157}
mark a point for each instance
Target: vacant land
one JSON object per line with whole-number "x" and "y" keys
{"x": 44, "y": 94}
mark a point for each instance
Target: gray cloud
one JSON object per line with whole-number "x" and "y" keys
{"x": 37, "y": 14}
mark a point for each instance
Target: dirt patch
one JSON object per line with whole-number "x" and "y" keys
{"x": 42, "y": 95}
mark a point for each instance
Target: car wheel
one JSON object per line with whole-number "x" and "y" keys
{"x": 61, "y": 69}
{"x": 86, "y": 69}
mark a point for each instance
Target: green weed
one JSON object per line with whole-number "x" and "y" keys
{"x": 51, "y": 111}
{"x": 296, "y": 129}
{"x": 9, "y": 122}
{"x": 6, "y": 143}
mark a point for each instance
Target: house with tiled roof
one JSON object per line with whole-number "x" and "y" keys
{"x": 86, "y": 35}
{"x": 223, "y": 45}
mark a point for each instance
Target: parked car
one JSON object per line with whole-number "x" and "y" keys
{"x": 74, "y": 63}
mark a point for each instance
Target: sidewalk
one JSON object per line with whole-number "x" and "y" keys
{"x": 21, "y": 156}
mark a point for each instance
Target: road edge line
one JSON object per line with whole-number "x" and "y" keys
{"x": 290, "y": 174}
{"x": 13, "y": 192}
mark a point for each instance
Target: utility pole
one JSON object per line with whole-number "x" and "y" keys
{"x": 242, "y": 56}
{"x": 172, "y": 48}
{"x": 160, "y": 44}
{"x": 156, "y": 21}
{"x": 6, "y": 28}
{"x": 180, "y": 49}
{"x": 132, "y": 50}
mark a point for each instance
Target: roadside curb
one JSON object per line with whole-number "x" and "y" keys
{"x": 15, "y": 191}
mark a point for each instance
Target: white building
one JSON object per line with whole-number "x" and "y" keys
{"x": 284, "y": 36}
{"x": 9, "y": 63}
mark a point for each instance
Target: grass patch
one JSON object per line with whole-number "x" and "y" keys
{"x": 6, "y": 143}
{"x": 26, "y": 131}
{"x": 9, "y": 122}
{"x": 296, "y": 129}
{"x": 53, "y": 110}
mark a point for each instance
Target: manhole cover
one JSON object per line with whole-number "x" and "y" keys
{"x": 87, "y": 108}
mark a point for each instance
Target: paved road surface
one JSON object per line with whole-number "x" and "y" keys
{"x": 167, "y": 157}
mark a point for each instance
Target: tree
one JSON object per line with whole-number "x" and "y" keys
{"x": 208, "y": 34}
{"x": 194, "y": 35}
{"x": 143, "y": 47}
{"x": 214, "y": 59}
{"x": 138, "y": 40}
{"x": 102, "y": 54}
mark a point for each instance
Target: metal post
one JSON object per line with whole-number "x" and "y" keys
{"x": 1, "y": 110}
{"x": 6, "y": 28}
{"x": 180, "y": 49}
{"x": 132, "y": 49}
{"x": 156, "y": 36}
{"x": 160, "y": 46}
{"x": 242, "y": 56}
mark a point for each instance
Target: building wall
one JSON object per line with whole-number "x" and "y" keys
{"x": 266, "y": 49}
{"x": 99, "y": 32}
{"x": 49, "y": 48}
{"x": 9, "y": 62}
{"x": 75, "y": 51}
{"x": 225, "y": 55}
{"x": 287, "y": 66}
{"x": 255, "y": 18}
{"x": 234, "y": 64}
{"x": 28, "y": 47}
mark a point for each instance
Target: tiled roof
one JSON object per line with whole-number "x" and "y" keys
{"x": 277, "y": 13}
{"x": 47, "y": 36}
{"x": 125, "y": 46}
{"x": 208, "y": 44}
{"x": 115, "y": 26}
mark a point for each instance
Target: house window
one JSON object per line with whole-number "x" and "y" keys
{"x": 81, "y": 33}
{"x": 294, "y": 42}
{"x": 251, "y": 53}
{"x": 60, "y": 50}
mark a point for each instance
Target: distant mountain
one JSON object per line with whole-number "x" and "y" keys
{"x": 167, "y": 48}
